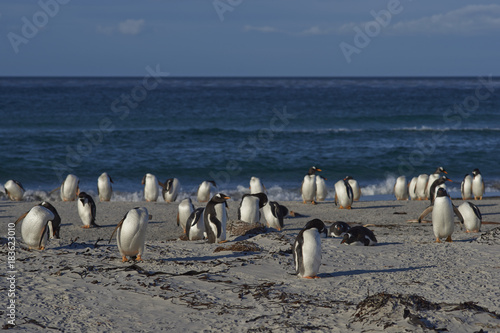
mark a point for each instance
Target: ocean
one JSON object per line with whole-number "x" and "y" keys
{"x": 230, "y": 129}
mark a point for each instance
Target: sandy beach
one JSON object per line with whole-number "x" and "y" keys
{"x": 405, "y": 283}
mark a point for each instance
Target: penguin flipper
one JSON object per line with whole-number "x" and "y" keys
{"x": 297, "y": 252}
{"x": 178, "y": 219}
{"x": 476, "y": 210}
{"x": 21, "y": 217}
{"x": 458, "y": 214}
{"x": 425, "y": 213}
{"x": 41, "y": 235}
{"x": 118, "y": 226}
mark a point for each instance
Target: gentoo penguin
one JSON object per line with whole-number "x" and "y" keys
{"x": 438, "y": 183}
{"x": 432, "y": 178}
{"x": 104, "y": 188}
{"x": 477, "y": 185}
{"x": 307, "y": 249}
{"x": 338, "y": 229}
{"x": 321, "y": 189}
{"x": 203, "y": 194}
{"x": 195, "y": 226}
{"x": 401, "y": 188}
{"x": 185, "y": 209}
{"x": 54, "y": 224}
{"x": 256, "y": 186}
{"x": 442, "y": 216}
{"x": 69, "y": 188}
{"x": 86, "y": 210}
{"x": 412, "y": 189}
{"x": 343, "y": 194}
{"x": 359, "y": 236}
{"x": 472, "y": 216}
{"x": 215, "y": 218}
{"x": 308, "y": 188}
{"x": 466, "y": 187}
{"x": 34, "y": 229}
{"x": 131, "y": 233}
{"x": 170, "y": 189}
{"x": 421, "y": 187}
{"x": 14, "y": 190}
{"x": 274, "y": 214}
{"x": 356, "y": 191}
{"x": 150, "y": 187}
{"x": 250, "y": 205}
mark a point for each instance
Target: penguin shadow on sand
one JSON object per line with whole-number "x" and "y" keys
{"x": 381, "y": 206}
{"x": 369, "y": 271}
{"x": 223, "y": 255}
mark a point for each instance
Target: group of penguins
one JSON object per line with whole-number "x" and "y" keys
{"x": 209, "y": 222}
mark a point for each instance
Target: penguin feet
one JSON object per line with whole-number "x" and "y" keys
{"x": 139, "y": 258}
{"x": 448, "y": 239}
{"x": 341, "y": 207}
{"x": 224, "y": 241}
{"x": 124, "y": 259}
{"x": 437, "y": 240}
{"x": 304, "y": 202}
{"x": 311, "y": 277}
{"x": 86, "y": 227}
{"x": 42, "y": 248}
{"x": 313, "y": 202}
{"x": 348, "y": 207}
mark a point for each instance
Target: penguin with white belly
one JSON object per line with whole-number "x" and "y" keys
{"x": 466, "y": 187}
{"x": 421, "y": 186}
{"x": 131, "y": 233}
{"x": 185, "y": 209}
{"x": 307, "y": 249}
{"x": 203, "y": 193}
{"x": 250, "y": 205}
{"x": 321, "y": 189}
{"x": 195, "y": 226}
{"x": 401, "y": 188}
{"x": 70, "y": 188}
{"x": 150, "y": 187}
{"x": 308, "y": 188}
{"x": 215, "y": 218}
{"x": 442, "y": 216}
{"x": 412, "y": 189}
{"x": 104, "y": 188}
{"x": 170, "y": 189}
{"x": 359, "y": 235}
{"x": 86, "y": 210}
{"x": 343, "y": 194}
{"x": 477, "y": 185}
{"x": 472, "y": 216}
{"x": 256, "y": 186}
{"x": 274, "y": 214}
{"x": 35, "y": 228}
{"x": 14, "y": 190}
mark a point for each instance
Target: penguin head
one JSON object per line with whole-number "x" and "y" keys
{"x": 219, "y": 197}
{"x": 313, "y": 170}
{"x": 212, "y": 182}
{"x": 318, "y": 224}
{"x": 440, "y": 170}
{"x": 339, "y": 229}
{"x": 443, "y": 179}
{"x": 441, "y": 193}
{"x": 168, "y": 184}
{"x": 262, "y": 199}
{"x": 476, "y": 172}
{"x": 347, "y": 178}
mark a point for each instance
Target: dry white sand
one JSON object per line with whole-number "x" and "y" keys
{"x": 78, "y": 283}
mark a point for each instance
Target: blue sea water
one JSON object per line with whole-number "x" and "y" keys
{"x": 230, "y": 129}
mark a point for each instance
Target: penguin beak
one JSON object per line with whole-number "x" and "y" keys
{"x": 449, "y": 180}
{"x": 226, "y": 198}
{"x": 445, "y": 172}
{"x": 319, "y": 170}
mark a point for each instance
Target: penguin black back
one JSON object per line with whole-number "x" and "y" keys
{"x": 211, "y": 219}
{"x": 359, "y": 234}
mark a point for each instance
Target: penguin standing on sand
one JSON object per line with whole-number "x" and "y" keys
{"x": 104, "y": 188}
{"x": 472, "y": 216}
{"x": 87, "y": 210}
{"x": 343, "y": 194}
{"x": 185, "y": 209}
{"x": 438, "y": 183}
{"x": 307, "y": 249}
{"x": 131, "y": 233}
{"x": 477, "y": 185}
{"x": 35, "y": 227}
{"x": 69, "y": 188}
{"x": 308, "y": 188}
{"x": 412, "y": 188}
{"x": 421, "y": 186}
{"x": 321, "y": 189}
{"x": 359, "y": 235}
{"x": 250, "y": 205}
{"x": 215, "y": 218}
{"x": 203, "y": 193}
{"x": 432, "y": 178}
{"x": 14, "y": 190}
{"x": 256, "y": 186}
{"x": 466, "y": 187}
{"x": 356, "y": 191}
{"x": 195, "y": 226}
{"x": 170, "y": 189}
{"x": 274, "y": 214}
{"x": 401, "y": 189}
{"x": 338, "y": 229}
{"x": 442, "y": 216}
{"x": 150, "y": 187}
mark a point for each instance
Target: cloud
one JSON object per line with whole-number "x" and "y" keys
{"x": 131, "y": 27}
{"x": 127, "y": 27}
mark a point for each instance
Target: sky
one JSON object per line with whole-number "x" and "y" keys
{"x": 250, "y": 37}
